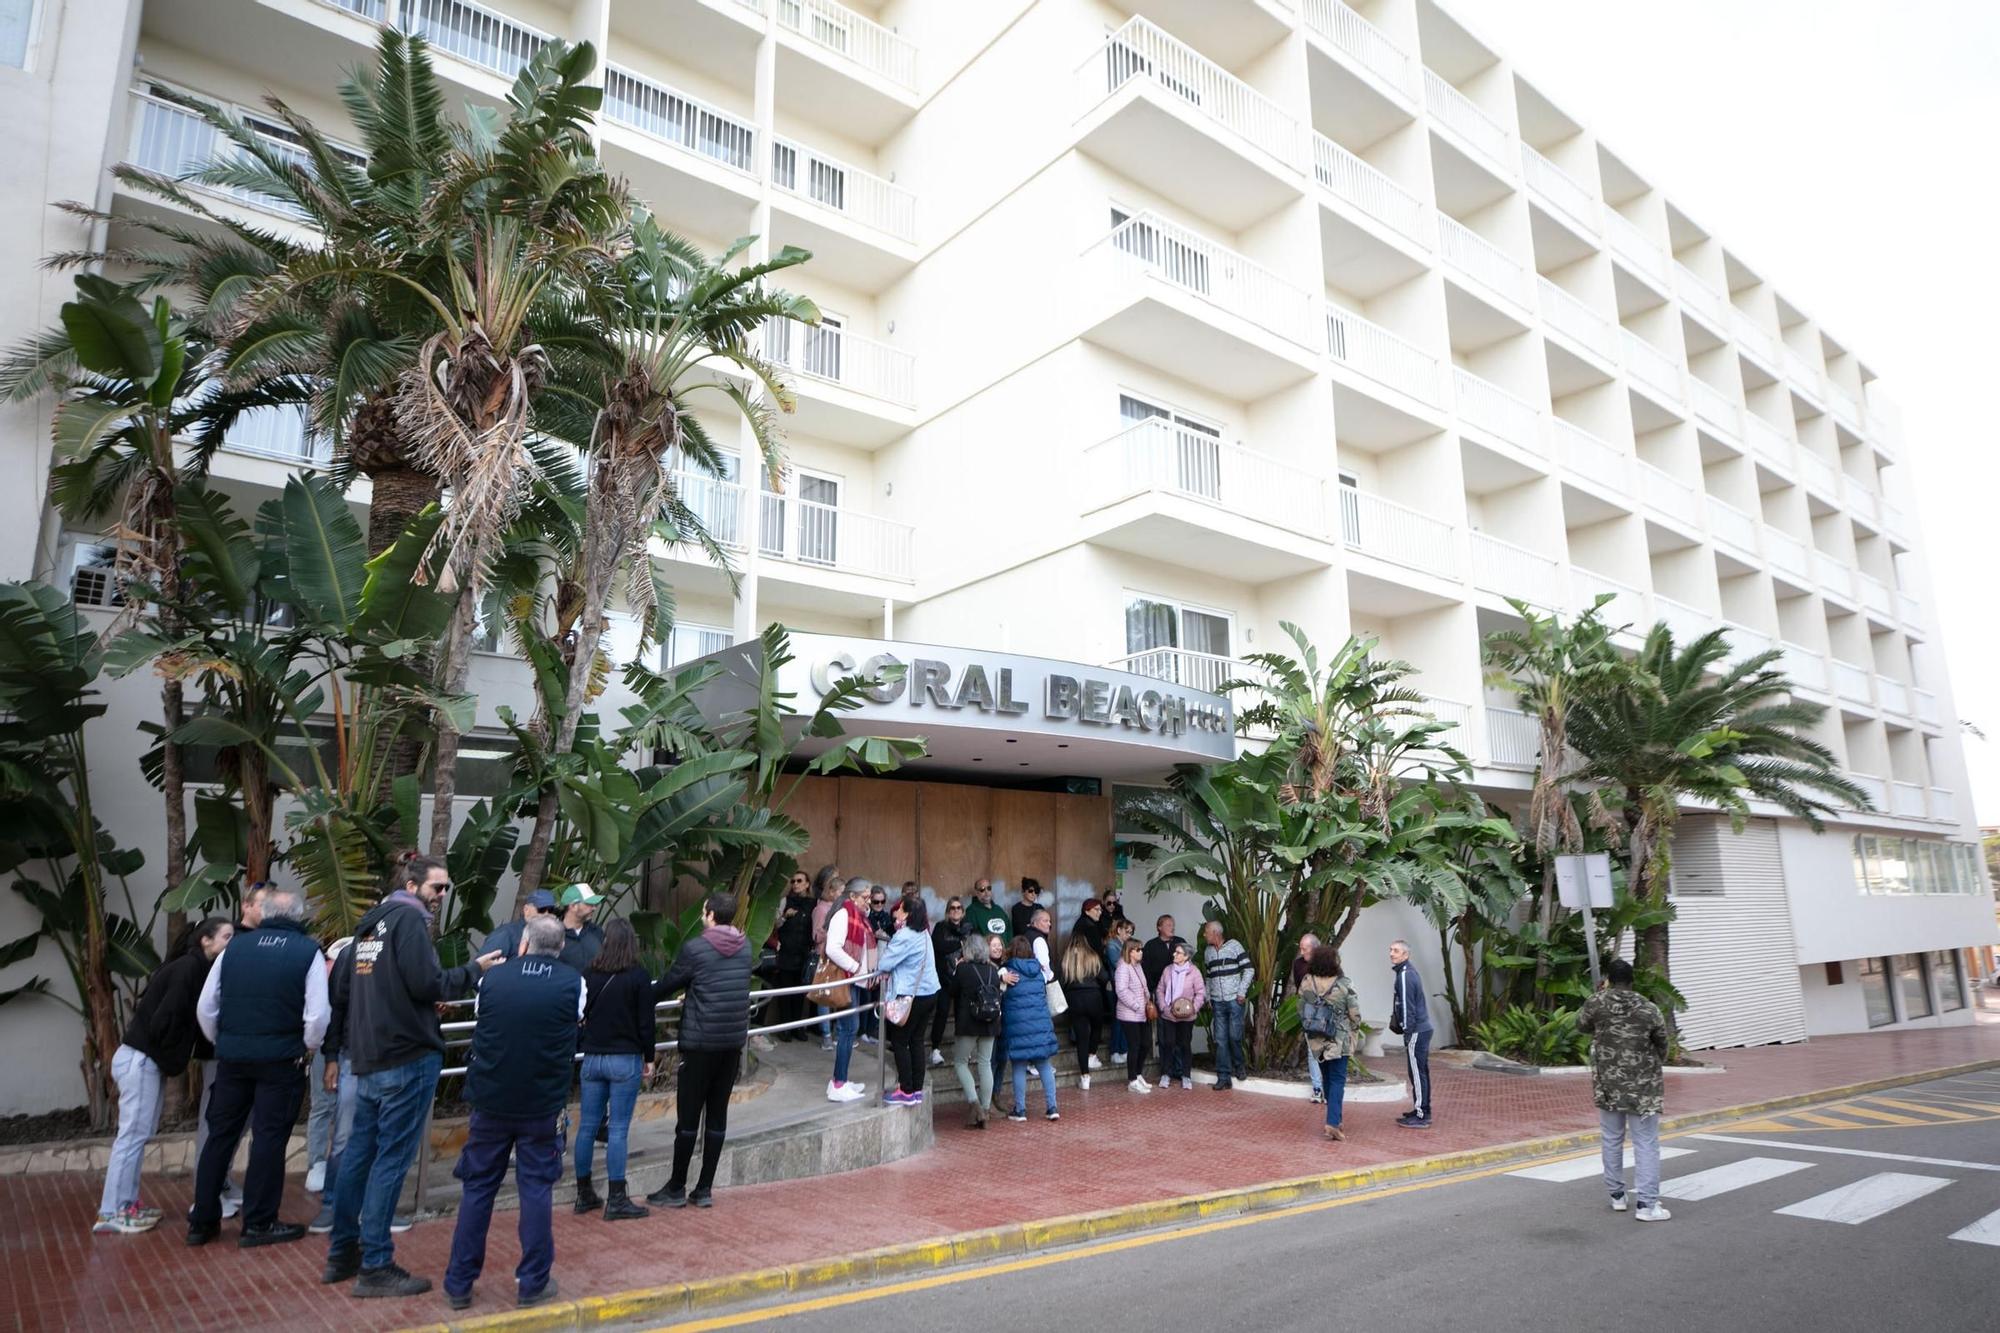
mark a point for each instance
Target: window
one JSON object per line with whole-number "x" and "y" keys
{"x": 1950, "y": 984}
{"x": 1168, "y": 253}
{"x": 89, "y": 568}
{"x": 812, "y": 532}
{"x": 826, "y": 182}
{"x": 489, "y": 625}
{"x": 1193, "y": 458}
{"x": 1875, "y": 992}
{"x": 1127, "y": 803}
{"x": 1156, "y": 627}
{"x": 1913, "y": 980}
{"x": 716, "y": 501}
{"x": 17, "y": 32}
{"x": 1916, "y": 865}
{"x": 485, "y": 766}
{"x": 688, "y": 642}
{"x": 810, "y": 349}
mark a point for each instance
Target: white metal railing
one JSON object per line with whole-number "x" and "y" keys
{"x": 1514, "y": 571}
{"x": 1892, "y": 516}
{"x": 1641, "y": 253}
{"x": 1841, "y": 404}
{"x": 1569, "y": 196}
{"x": 1484, "y": 262}
{"x": 1369, "y": 349}
{"x": 1570, "y": 316}
{"x": 1183, "y": 666}
{"x": 1363, "y": 42}
{"x": 1587, "y": 456}
{"x": 1768, "y": 442}
{"x": 1653, "y": 368}
{"x": 1944, "y": 805}
{"x": 173, "y": 140}
{"x": 837, "y": 356}
{"x": 1627, "y": 606}
{"x": 1806, "y": 668}
{"x": 475, "y": 33}
{"x": 1458, "y": 714}
{"x": 1832, "y": 575}
{"x": 1165, "y": 456}
{"x": 1818, "y": 474}
{"x": 789, "y": 528}
{"x": 838, "y": 29}
{"x": 1753, "y": 337}
{"x": 1906, "y": 800}
{"x": 1732, "y": 525}
{"x": 1746, "y": 643}
{"x": 1893, "y": 695}
{"x": 1925, "y": 703}
{"x": 1346, "y": 176}
{"x": 1801, "y": 372}
{"x": 1851, "y": 682}
{"x": 1397, "y": 533}
{"x": 1695, "y": 294}
{"x": 861, "y": 195}
{"x": 721, "y": 506}
{"x": 673, "y": 117}
{"x": 1716, "y": 408}
{"x": 1908, "y": 609}
{"x": 1142, "y": 50}
{"x": 1473, "y": 125}
{"x": 1490, "y": 408}
{"x": 1857, "y": 496}
{"x": 278, "y": 432}
{"x": 1875, "y": 595}
{"x": 1787, "y": 553}
{"x": 1874, "y": 788}
{"x": 1668, "y": 494}
{"x": 1686, "y": 623}
{"x": 1513, "y": 738}
{"x": 1150, "y": 245}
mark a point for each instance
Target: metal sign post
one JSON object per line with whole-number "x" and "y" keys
{"x": 1584, "y": 882}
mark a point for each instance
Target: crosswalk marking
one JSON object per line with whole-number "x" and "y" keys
{"x": 1732, "y": 1176}
{"x": 1579, "y": 1168}
{"x": 1865, "y": 1199}
{"x": 1850, "y": 1152}
{"x": 1986, "y": 1231}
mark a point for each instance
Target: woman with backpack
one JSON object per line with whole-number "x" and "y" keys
{"x": 1029, "y": 1031}
{"x": 1330, "y": 1016}
{"x": 1083, "y": 987}
{"x": 975, "y": 998}
{"x": 1180, "y": 997}
{"x": 1134, "y": 1012}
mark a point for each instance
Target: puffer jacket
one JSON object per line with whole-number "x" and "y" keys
{"x": 1130, "y": 989}
{"x": 1180, "y": 979}
{"x": 714, "y": 969}
{"x": 1026, "y": 1029}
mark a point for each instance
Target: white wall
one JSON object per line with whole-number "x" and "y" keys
{"x": 1833, "y": 919}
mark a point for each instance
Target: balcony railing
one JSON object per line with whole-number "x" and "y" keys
{"x": 673, "y": 117}
{"x": 1141, "y": 50}
{"x": 1716, "y": 408}
{"x": 1733, "y": 526}
{"x": 1563, "y": 192}
{"x": 1753, "y": 337}
{"x": 1371, "y": 350}
{"x": 1832, "y": 575}
{"x": 1397, "y": 533}
{"x": 1944, "y": 805}
{"x": 1364, "y": 43}
{"x": 1746, "y": 643}
{"x": 1669, "y": 495}
{"x": 1874, "y": 788}
{"x": 1183, "y": 666}
{"x": 1909, "y": 610}
{"x": 172, "y": 140}
{"x": 1787, "y": 553}
{"x": 280, "y": 433}
{"x": 1819, "y": 475}
{"x": 1802, "y": 373}
{"x": 1851, "y": 682}
{"x": 1513, "y": 738}
{"x": 1906, "y": 799}
{"x": 801, "y": 531}
{"x": 835, "y": 356}
{"x": 1571, "y": 317}
{"x": 1806, "y": 667}
{"x": 1627, "y": 606}
{"x": 474, "y": 33}
{"x": 1159, "y": 455}
{"x": 1587, "y": 456}
{"x": 1150, "y": 245}
{"x": 838, "y": 29}
{"x": 1641, "y": 253}
{"x": 1840, "y": 403}
{"x": 1475, "y": 128}
{"x": 1875, "y": 595}
{"x": 1507, "y": 570}
{"x": 1925, "y": 703}
{"x": 1695, "y": 294}
{"x": 831, "y": 183}
{"x": 1484, "y": 262}
{"x": 1487, "y": 407}
{"x": 1857, "y": 496}
{"x": 1892, "y": 517}
{"x": 1653, "y": 368}
{"x": 1347, "y": 177}
{"x": 1686, "y": 623}
{"x": 1893, "y": 695}
{"x": 1769, "y": 443}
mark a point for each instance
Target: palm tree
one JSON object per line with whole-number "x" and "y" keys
{"x": 1689, "y": 727}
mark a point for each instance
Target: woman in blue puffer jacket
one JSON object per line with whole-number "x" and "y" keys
{"x": 1026, "y": 1028}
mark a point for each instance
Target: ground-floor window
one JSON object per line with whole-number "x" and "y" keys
{"x": 1875, "y": 992}
{"x": 1950, "y": 984}
{"x": 1911, "y": 980}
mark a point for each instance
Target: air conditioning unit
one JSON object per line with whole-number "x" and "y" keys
{"x": 87, "y": 570}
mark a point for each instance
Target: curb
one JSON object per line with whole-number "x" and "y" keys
{"x": 704, "y": 1294}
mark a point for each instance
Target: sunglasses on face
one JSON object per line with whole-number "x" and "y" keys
{"x": 878, "y": 901}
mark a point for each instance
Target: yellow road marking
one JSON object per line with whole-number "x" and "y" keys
{"x": 1947, "y": 1113}
{"x": 1867, "y": 1112}
{"x": 1823, "y": 1121}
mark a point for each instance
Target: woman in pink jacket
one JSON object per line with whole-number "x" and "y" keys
{"x": 1128, "y": 987}
{"x": 1180, "y": 996}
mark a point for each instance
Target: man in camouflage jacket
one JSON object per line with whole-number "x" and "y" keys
{"x": 1628, "y": 1050}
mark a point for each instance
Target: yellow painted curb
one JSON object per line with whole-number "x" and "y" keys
{"x": 1076, "y": 1228}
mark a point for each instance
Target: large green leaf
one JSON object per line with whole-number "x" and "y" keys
{"x": 222, "y": 558}
{"x": 111, "y": 332}
{"x": 397, "y": 603}
{"x": 325, "y": 552}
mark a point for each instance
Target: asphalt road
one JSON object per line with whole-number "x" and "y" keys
{"x": 1813, "y": 1222}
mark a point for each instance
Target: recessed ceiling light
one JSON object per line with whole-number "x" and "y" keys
{"x": 977, "y": 760}
{"x": 1024, "y": 763}
{"x": 1013, "y": 740}
{"x": 1062, "y": 745}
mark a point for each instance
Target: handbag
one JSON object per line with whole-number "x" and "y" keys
{"x": 897, "y": 1010}
{"x": 1058, "y": 1002}
{"x": 1152, "y": 1011}
{"x": 1182, "y": 1009}
{"x": 831, "y": 987}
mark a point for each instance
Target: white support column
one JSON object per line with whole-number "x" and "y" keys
{"x": 888, "y": 617}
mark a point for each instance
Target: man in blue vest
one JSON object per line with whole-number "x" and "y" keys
{"x": 517, "y": 1081}
{"x": 264, "y": 1006}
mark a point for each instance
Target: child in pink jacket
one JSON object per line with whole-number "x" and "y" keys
{"x": 1128, "y": 988}
{"x": 1180, "y": 996}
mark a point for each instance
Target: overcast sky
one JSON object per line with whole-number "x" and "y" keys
{"x": 1844, "y": 150}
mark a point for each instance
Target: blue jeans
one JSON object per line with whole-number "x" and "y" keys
{"x": 138, "y": 1080}
{"x": 844, "y": 1028}
{"x": 1048, "y": 1072}
{"x": 389, "y": 1107}
{"x": 1312, "y": 1070}
{"x": 345, "y": 1095}
{"x": 1225, "y": 1033}
{"x": 536, "y": 1146}
{"x": 608, "y": 1081}
{"x": 1333, "y": 1077}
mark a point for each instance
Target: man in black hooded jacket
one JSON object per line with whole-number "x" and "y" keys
{"x": 714, "y": 969}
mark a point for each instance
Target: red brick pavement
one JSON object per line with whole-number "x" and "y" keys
{"x": 1110, "y": 1148}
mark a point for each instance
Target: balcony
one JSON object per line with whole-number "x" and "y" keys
{"x": 861, "y": 196}
{"x": 1906, "y": 800}
{"x": 672, "y": 117}
{"x": 1396, "y": 533}
{"x": 1627, "y": 607}
{"x": 1874, "y": 788}
{"x": 1926, "y": 705}
{"x": 1154, "y": 109}
{"x": 712, "y": 161}
{"x": 1876, "y": 597}
{"x": 1894, "y": 696}
{"x": 1753, "y": 338}
{"x": 1716, "y": 409}
{"x": 1182, "y": 666}
{"x": 1788, "y": 555}
{"x": 840, "y": 32}
{"x": 1943, "y": 805}
{"x": 1841, "y": 406}
{"x": 860, "y": 228}
{"x": 1506, "y": 570}
{"x": 1833, "y": 576}
{"x": 1593, "y": 459}
{"x": 1497, "y": 414}
{"x": 1701, "y": 300}
{"x": 278, "y": 433}
{"x": 1820, "y": 476}
{"x": 1364, "y": 47}
{"x": 1801, "y": 373}
{"x": 471, "y": 32}
{"x": 1576, "y": 321}
{"x": 1174, "y": 299}
{"x": 1641, "y": 253}
{"x": 1654, "y": 371}
{"x": 1771, "y": 445}
{"x": 1909, "y": 611}
{"x": 1483, "y": 264}
{"x": 1564, "y": 195}
{"x": 1686, "y": 623}
{"x": 1372, "y": 351}
{"x": 1513, "y": 739}
{"x": 855, "y": 367}
{"x": 1489, "y": 142}
{"x": 171, "y": 139}
{"x": 1859, "y": 499}
{"x": 818, "y": 537}
{"x": 1173, "y": 493}
{"x": 1853, "y": 684}
{"x": 1893, "y": 521}
{"x": 1746, "y": 643}
{"x": 1806, "y": 667}
{"x": 1734, "y": 528}
{"x": 1669, "y": 495}
{"x": 1355, "y": 183}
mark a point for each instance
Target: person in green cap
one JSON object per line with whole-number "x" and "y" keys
{"x": 582, "y": 937}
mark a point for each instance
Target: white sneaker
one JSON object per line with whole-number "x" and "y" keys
{"x": 1652, "y": 1212}
{"x": 937, "y": 1057}
{"x": 231, "y": 1207}
{"x": 1034, "y": 1073}
{"x": 316, "y": 1178}
{"x": 1139, "y": 1085}
{"x": 760, "y": 1042}
{"x": 1083, "y": 1082}
{"x": 1618, "y": 1203}
{"x": 1096, "y": 1063}
{"x": 843, "y": 1092}
{"x": 1187, "y": 1085}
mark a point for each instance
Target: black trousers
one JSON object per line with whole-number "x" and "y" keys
{"x": 940, "y": 1013}
{"x": 702, "y": 1095}
{"x": 1137, "y": 1032}
{"x": 1083, "y": 1029}
{"x": 907, "y": 1042}
{"x": 266, "y": 1097}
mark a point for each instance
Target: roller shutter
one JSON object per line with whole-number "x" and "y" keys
{"x": 1731, "y": 944}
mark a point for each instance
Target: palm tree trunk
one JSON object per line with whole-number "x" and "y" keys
{"x": 399, "y": 494}
{"x": 454, "y": 662}
{"x": 253, "y": 777}
{"x": 99, "y": 999}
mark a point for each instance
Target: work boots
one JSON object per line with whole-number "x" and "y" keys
{"x": 586, "y": 1196}
{"x": 619, "y": 1208}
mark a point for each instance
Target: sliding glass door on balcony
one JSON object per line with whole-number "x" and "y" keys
{"x": 810, "y": 532}
{"x": 1172, "y": 641}
{"x": 1196, "y": 461}
{"x": 812, "y": 349}
{"x": 1174, "y": 258}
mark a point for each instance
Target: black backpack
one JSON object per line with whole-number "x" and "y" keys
{"x": 1320, "y": 1015}
{"x": 986, "y": 998}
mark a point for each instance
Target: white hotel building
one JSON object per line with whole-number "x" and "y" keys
{"x": 1150, "y": 324}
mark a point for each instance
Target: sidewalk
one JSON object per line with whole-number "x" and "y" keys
{"x": 1111, "y": 1148}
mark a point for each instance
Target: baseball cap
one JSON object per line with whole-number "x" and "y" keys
{"x": 542, "y": 900}
{"x": 581, "y": 893}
